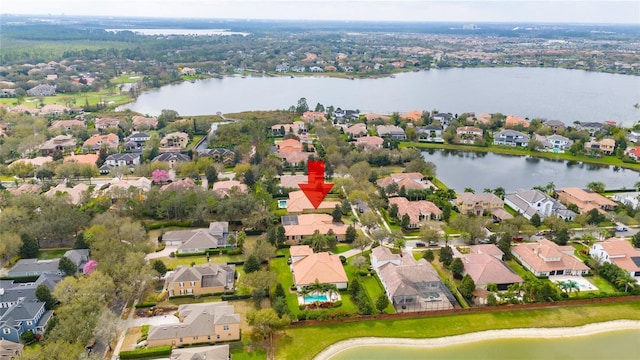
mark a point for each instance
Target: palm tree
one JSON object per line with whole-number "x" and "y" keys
{"x": 331, "y": 289}
{"x": 625, "y": 280}
{"x": 499, "y": 192}
{"x": 469, "y": 190}
{"x": 487, "y": 191}
{"x": 400, "y": 244}
{"x": 304, "y": 292}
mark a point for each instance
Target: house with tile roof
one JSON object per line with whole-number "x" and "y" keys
{"x": 64, "y": 143}
{"x": 418, "y": 211}
{"x": 485, "y": 266}
{"x": 200, "y": 279}
{"x": 369, "y": 142}
{"x": 546, "y": 258}
{"x": 293, "y": 181}
{"x": 174, "y": 141}
{"x": 95, "y": 142}
{"x": 605, "y": 146}
{"x": 356, "y": 130}
{"x": 297, "y": 128}
{"x": 477, "y": 204}
{"x": 199, "y": 240}
{"x": 633, "y": 153}
{"x": 391, "y": 131}
{"x": 322, "y": 267}
{"x": 311, "y": 116}
{"x": 555, "y": 125}
{"x": 215, "y": 352}
{"x": 144, "y": 123}
{"x": 511, "y": 138}
{"x": 512, "y": 121}
{"x": 297, "y": 227}
{"x": 410, "y": 285}
{"x": 430, "y": 133}
{"x": 554, "y": 143}
{"x": 105, "y": 123}
{"x": 585, "y": 200}
{"x": 298, "y": 203}
{"x": 530, "y": 202}
{"x": 90, "y": 159}
{"x": 226, "y": 187}
{"x": 67, "y": 125}
{"x": 199, "y": 323}
{"x": 75, "y": 193}
{"x": 410, "y": 181}
{"x": 468, "y": 134}
{"x": 620, "y": 252}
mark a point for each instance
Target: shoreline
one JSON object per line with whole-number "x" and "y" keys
{"x": 520, "y": 333}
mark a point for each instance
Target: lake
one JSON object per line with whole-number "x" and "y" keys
{"x": 620, "y": 345}
{"x": 459, "y": 169}
{"x": 561, "y": 94}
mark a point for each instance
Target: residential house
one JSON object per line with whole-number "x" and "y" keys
{"x": 316, "y": 69}
{"x": 293, "y": 181}
{"x": 410, "y": 285}
{"x": 298, "y": 252}
{"x": 292, "y": 151}
{"x": 511, "y": 138}
{"x": 63, "y": 143}
{"x": 182, "y": 184}
{"x": 628, "y": 199}
{"x": 591, "y": 127}
{"x": 34, "y": 267}
{"x": 298, "y": 203}
{"x": 13, "y": 293}
{"x": 485, "y": 266}
{"x": 346, "y": 115}
{"x": 634, "y": 136}
{"x": 585, "y": 200}
{"x": 413, "y": 116}
{"x": 42, "y": 90}
{"x": 298, "y": 69}
{"x": 95, "y": 142}
{"x": 102, "y": 124}
{"x": 430, "y": 133}
{"x": 199, "y": 323}
{"x": 200, "y": 279}
{"x": 297, "y": 128}
{"x": 369, "y": 142}
{"x": 356, "y": 130}
{"x": 513, "y": 121}
{"x": 312, "y": 116}
{"x": 174, "y": 141}
{"x": 172, "y": 158}
{"x": 226, "y": 187}
{"x": 76, "y": 193}
{"x": 187, "y": 71}
{"x": 410, "y": 181}
{"x": 443, "y": 118}
{"x": 36, "y": 161}
{"x": 620, "y": 252}
{"x": 22, "y": 317}
{"x": 10, "y": 350}
{"x": 320, "y": 267}
{"x": 23, "y": 109}
{"x": 481, "y": 204}
{"x": 215, "y": 352}
{"x": 468, "y": 134}
{"x": 297, "y": 227}
{"x": 135, "y": 142}
{"x": 26, "y": 188}
{"x": 282, "y": 68}
{"x": 78, "y": 257}
{"x": 481, "y": 119}
{"x": 546, "y": 258}
{"x": 224, "y": 156}
{"x": 605, "y": 146}
{"x": 141, "y": 123}
{"x": 391, "y": 131}
{"x": 121, "y": 187}
{"x": 555, "y": 125}
{"x": 554, "y": 143}
{"x": 418, "y": 211}
{"x": 633, "y": 153}
{"x": 90, "y": 159}
{"x": 530, "y": 202}
{"x": 66, "y": 125}
{"x": 54, "y": 109}
{"x": 7, "y": 93}
{"x": 199, "y": 240}
{"x": 130, "y": 160}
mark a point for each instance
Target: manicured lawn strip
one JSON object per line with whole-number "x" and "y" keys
{"x": 306, "y": 342}
{"x": 340, "y": 248}
{"x": 373, "y": 287}
{"x": 80, "y": 99}
{"x": 46, "y": 254}
{"x": 194, "y": 141}
{"x": 172, "y": 263}
{"x": 285, "y": 278}
{"x": 605, "y": 160}
{"x": 522, "y": 272}
{"x": 254, "y": 355}
{"x": 602, "y": 284}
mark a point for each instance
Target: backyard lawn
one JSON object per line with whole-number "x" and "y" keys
{"x": 47, "y": 254}
{"x": 307, "y": 341}
{"x": 172, "y": 263}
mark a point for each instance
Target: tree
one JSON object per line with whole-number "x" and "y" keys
{"x": 405, "y": 222}
{"x": 279, "y": 291}
{"x": 280, "y": 235}
{"x": 562, "y": 236}
{"x": 400, "y": 244}
{"x": 336, "y": 214}
{"x": 457, "y": 267}
{"x": 382, "y": 302}
{"x": 249, "y": 178}
{"x": 302, "y": 106}
{"x": 251, "y": 264}
{"x": 446, "y": 255}
{"x": 266, "y": 322}
{"x": 596, "y": 186}
{"x": 10, "y": 245}
{"x": 361, "y": 242}
{"x": 467, "y": 286}
{"x": 351, "y": 234}
{"x": 359, "y": 262}
{"x": 67, "y": 266}
{"x": 80, "y": 243}
{"x": 160, "y": 176}
{"x": 535, "y": 220}
{"x": 625, "y": 280}
{"x": 43, "y": 294}
{"x": 159, "y": 266}
{"x": 369, "y": 219}
{"x": 635, "y": 240}
{"x": 211, "y": 174}
{"x": 29, "y": 249}
{"x": 428, "y": 255}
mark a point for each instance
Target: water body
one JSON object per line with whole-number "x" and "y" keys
{"x": 461, "y": 169}
{"x": 189, "y": 32}
{"x": 622, "y": 345}
{"x": 566, "y": 95}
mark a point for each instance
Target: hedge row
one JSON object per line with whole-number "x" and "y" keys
{"x": 236, "y": 297}
{"x": 161, "y": 224}
{"x": 146, "y": 353}
{"x": 228, "y": 251}
{"x": 145, "y": 304}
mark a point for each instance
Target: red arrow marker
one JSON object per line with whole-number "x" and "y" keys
{"x": 315, "y": 189}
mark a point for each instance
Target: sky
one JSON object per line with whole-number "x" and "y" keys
{"x": 540, "y": 11}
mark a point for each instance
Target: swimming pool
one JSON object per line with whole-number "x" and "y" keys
{"x": 313, "y": 298}
{"x": 282, "y": 204}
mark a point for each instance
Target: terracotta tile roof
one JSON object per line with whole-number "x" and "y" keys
{"x": 356, "y": 129}
{"x": 64, "y": 124}
{"x": 588, "y": 197}
{"x": 322, "y": 267}
{"x": 488, "y": 249}
{"x": 414, "y": 115}
{"x": 37, "y": 161}
{"x": 75, "y": 192}
{"x": 514, "y": 120}
{"x": 300, "y": 250}
{"x": 298, "y": 203}
{"x": 96, "y": 141}
{"x": 370, "y": 142}
{"x": 309, "y": 223}
{"x": 292, "y": 181}
{"x": 223, "y": 188}
{"x": 415, "y": 209}
{"x": 187, "y": 183}
{"x": 546, "y": 256}
{"x": 485, "y": 269}
{"x": 82, "y": 159}
{"x": 141, "y": 120}
{"x": 621, "y": 253}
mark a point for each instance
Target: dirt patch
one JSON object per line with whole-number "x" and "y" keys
{"x": 131, "y": 338}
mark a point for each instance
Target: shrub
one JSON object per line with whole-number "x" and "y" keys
{"x": 343, "y": 259}
{"x": 337, "y": 303}
{"x": 145, "y": 304}
{"x": 160, "y": 248}
{"x": 235, "y": 297}
{"x": 146, "y": 353}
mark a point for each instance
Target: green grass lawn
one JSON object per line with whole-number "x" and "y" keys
{"x": 172, "y": 263}
{"x": 602, "y": 284}
{"x": 285, "y": 278}
{"x": 340, "y": 248}
{"x": 78, "y": 99}
{"x": 46, "y": 254}
{"x": 374, "y": 289}
{"x": 522, "y": 272}
{"x": 194, "y": 141}
{"x": 257, "y": 354}
{"x": 306, "y": 342}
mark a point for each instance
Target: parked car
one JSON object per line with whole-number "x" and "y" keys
{"x": 420, "y": 244}
{"x": 484, "y": 241}
{"x": 621, "y": 229}
{"x": 433, "y": 243}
